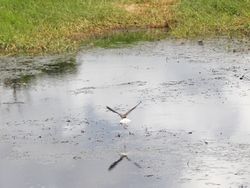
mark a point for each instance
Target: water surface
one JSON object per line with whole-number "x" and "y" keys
{"x": 191, "y": 130}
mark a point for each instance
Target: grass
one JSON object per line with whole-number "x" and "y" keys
{"x": 212, "y": 18}
{"x": 43, "y": 26}
{"x": 50, "y": 27}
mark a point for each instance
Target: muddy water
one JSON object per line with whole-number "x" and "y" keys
{"x": 191, "y": 130}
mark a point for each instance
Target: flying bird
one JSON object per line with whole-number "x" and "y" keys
{"x": 124, "y": 120}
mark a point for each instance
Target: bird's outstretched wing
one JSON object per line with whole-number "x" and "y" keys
{"x": 131, "y": 109}
{"x": 114, "y": 111}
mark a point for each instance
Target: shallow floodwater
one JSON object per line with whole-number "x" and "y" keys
{"x": 191, "y": 130}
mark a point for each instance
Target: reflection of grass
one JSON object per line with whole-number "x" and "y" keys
{"x": 125, "y": 38}
{"x": 212, "y": 17}
{"x": 23, "y": 75}
{"x": 25, "y": 78}
{"x": 60, "y": 66}
{"x": 22, "y": 79}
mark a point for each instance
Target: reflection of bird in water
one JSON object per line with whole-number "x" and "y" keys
{"x": 124, "y": 121}
{"x": 122, "y": 156}
{"x": 113, "y": 165}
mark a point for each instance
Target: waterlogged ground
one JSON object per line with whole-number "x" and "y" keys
{"x": 191, "y": 130}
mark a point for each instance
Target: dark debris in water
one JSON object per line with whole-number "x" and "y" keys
{"x": 148, "y": 175}
{"x": 200, "y": 42}
{"x": 84, "y": 90}
{"x": 77, "y": 158}
{"x": 137, "y": 83}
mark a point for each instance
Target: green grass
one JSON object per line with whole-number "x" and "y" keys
{"x": 50, "y": 27}
{"x": 39, "y": 24}
{"x": 44, "y": 26}
{"x": 212, "y": 17}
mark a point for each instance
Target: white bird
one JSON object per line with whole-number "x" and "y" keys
{"x": 124, "y": 120}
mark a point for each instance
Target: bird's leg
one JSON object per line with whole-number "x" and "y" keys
{"x": 130, "y": 133}
{"x": 125, "y": 126}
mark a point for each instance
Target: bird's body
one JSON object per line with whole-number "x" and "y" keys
{"x": 124, "y": 120}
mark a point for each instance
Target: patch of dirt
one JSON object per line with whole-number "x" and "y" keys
{"x": 134, "y": 8}
{"x": 137, "y": 8}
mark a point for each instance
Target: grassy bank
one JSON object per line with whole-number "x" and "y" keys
{"x": 212, "y": 17}
{"x": 43, "y": 26}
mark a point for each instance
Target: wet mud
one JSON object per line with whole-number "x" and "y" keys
{"x": 191, "y": 130}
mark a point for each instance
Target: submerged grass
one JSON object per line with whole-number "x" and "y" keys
{"x": 125, "y": 38}
{"x": 212, "y": 17}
